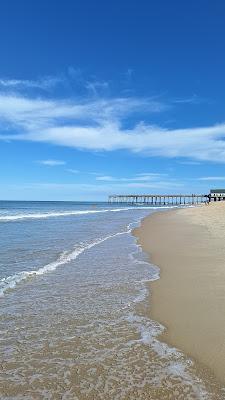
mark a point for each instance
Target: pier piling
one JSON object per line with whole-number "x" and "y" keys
{"x": 156, "y": 199}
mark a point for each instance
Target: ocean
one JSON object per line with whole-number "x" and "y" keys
{"x": 73, "y": 297}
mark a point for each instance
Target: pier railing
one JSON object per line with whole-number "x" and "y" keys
{"x": 159, "y": 199}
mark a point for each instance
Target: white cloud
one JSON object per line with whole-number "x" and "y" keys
{"x": 106, "y": 178}
{"x": 42, "y": 83}
{"x": 31, "y": 114}
{"x": 145, "y": 177}
{"x": 102, "y": 125}
{"x": 194, "y": 99}
{"x": 212, "y": 178}
{"x": 96, "y": 87}
{"x": 52, "y": 163}
{"x": 149, "y": 174}
{"x": 73, "y": 171}
{"x": 187, "y": 162}
{"x": 196, "y": 143}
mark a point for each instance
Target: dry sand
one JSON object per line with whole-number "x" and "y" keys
{"x": 189, "y": 298}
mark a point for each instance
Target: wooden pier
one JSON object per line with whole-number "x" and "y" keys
{"x": 159, "y": 199}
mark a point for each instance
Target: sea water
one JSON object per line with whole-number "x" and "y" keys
{"x": 71, "y": 280}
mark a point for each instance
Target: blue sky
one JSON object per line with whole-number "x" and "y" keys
{"x": 103, "y": 97}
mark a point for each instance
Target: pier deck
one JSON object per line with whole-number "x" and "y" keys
{"x": 159, "y": 199}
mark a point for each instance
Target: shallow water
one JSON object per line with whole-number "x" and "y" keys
{"x": 72, "y": 318}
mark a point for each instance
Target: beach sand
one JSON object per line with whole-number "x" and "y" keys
{"x": 189, "y": 298}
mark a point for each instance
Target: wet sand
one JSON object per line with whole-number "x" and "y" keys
{"x": 189, "y": 298}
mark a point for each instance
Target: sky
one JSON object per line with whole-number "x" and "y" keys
{"x": 111, "y": 97}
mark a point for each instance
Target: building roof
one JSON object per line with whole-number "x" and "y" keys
{"x": 217, "y": 191}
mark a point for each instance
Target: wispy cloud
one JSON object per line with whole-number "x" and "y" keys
{"x": 97, "y": 87}
{"x": 194, "y": 99}
{"x": 104, "y": 124}
{"x": 212, "y": 178}
{"x": 188, "y": 162}
{"x": 145, "y": 177}
{"x": 105, "y": 178}
{"x": 42, "y": 83}
{"x": 52, "y": 163}
{"x": 72, "y": 171}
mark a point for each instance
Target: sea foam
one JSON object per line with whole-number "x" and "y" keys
{"x": 65, "y": 257}
{"x": 16, "y": 217}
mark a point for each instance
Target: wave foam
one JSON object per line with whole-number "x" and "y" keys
{"x": 47, "y": 215}
{"x": 16, "y": 217}
{"x": 11, "y": 281}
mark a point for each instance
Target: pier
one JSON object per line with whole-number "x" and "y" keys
{"x": 159, "y": 199}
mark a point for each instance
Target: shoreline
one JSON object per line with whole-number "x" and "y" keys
{"x": 189, "y": 297}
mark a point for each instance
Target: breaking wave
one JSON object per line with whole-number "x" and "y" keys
{"x": 16, "y": 217}
{"x": 11, "y": 281}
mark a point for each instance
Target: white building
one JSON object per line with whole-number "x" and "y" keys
{"x": 217, "y": 194}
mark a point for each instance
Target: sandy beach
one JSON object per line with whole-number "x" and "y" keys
{"x": 189, "y": 298}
